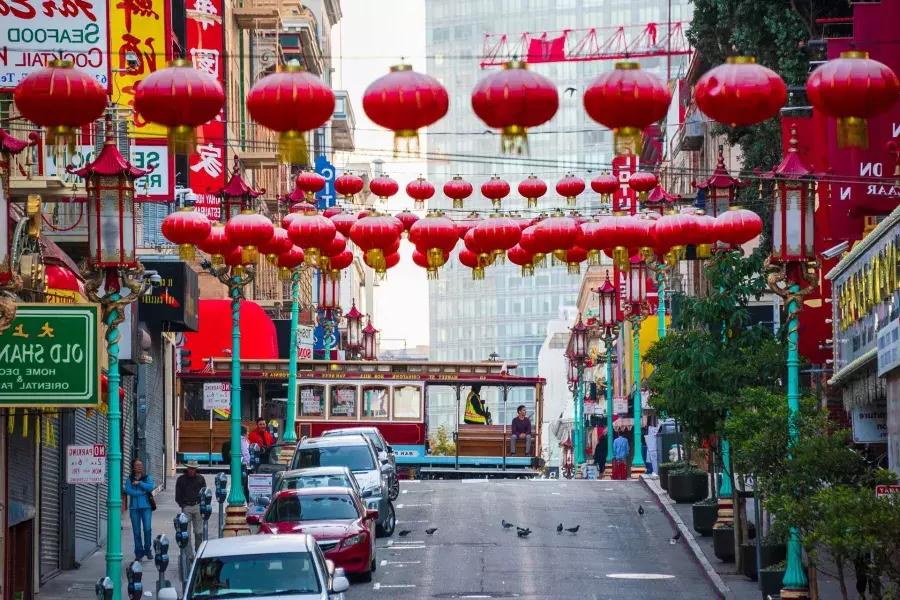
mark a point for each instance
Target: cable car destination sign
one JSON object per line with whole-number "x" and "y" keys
{"x": 48, "y": 356}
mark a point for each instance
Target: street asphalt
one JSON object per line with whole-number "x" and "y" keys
{"x": 615, "y": 554}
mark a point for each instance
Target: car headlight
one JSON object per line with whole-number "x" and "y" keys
{"x": 353, "y": 540}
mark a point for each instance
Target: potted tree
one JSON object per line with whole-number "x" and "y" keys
{"x": 770, "y": 579}
{"x": 705, "y": 513}
{"x": 663, "y": 472}
{"x": 687, "y": 484}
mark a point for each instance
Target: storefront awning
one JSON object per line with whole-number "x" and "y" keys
{"x": 213, "y": 338}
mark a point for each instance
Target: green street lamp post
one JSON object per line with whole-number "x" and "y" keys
{"x": 609, "y": 325}
{"x": 636, "y": 309}
{"x": 290, "y": 414}
{"x": 112, "y": 265}
{"x": 578, "y": 355}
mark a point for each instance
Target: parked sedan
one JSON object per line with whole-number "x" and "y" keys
{"x": 315, "y": 477}
{"x": 336, "y": 517}
{"x": 385, "y": 452}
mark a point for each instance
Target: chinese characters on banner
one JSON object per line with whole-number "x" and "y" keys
{"x": 35, "y": 32}
{"x": 205, "y": 42}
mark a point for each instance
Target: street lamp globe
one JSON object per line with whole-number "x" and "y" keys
{"x": 636, "y": 284}
{"x": 579, "y": 344}
{"x": 608, "y": 296}
{"x": 793, "y": 214}
{"x": 328, "y": 291}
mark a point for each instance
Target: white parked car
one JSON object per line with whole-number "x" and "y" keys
{"x": 290, "y": 567}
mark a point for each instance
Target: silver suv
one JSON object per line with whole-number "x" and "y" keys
{"x": 385, "y": 452}
{"x": 357, "y": 454}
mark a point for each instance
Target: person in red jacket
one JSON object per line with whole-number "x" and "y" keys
{"x": 261, "y": 436}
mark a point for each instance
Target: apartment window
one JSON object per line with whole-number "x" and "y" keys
{"x": 440, "y": 34}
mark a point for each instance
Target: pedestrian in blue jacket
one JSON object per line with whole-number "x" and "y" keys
{"x": 139, "y": 488}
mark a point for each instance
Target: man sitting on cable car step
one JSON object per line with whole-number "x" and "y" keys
{"x": 521, "y": 427}
{"x": 476, "y": 412}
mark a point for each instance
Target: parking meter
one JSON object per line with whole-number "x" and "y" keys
{"x": 104, "y": 588}
{"x": 221, "y": 493}
{"x": 135, "y": 575}
{"x": 206, "y": 495}
{"x": 182, "y": 535}
{"x": 161, "y": 560}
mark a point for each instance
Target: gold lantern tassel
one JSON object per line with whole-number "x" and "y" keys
{"x": 593, "y": 257}
{"x": 375, "y": 259}
{"x": 457, "y": 203}
{"x": 284, "y": 274}
{"x": 852, "y": 132}
{"x": 435, "y": 258}
{"x": 620, "y": 255}
{"x": 324, "y": 263}
{"x": 249, "y": 255}
{"x": 408, "y": 138}
{"x": 571, "y": 200}
{"x": 478, "y": 273}
{"x": 217, "y": 260}
{"x": 574, "y": 268}
{"x": 514, "y": 140}
{"x": 527, "y": 270}
{"x": 186, "y": 252}
{"x": 499, "y": 257}
{"x": 531, "y": 202}
{"x": 627, "y": 140}
{"x": 539, "y": 260}
{"x": 62, "y": 137}
{"x": 432, "y": 273}
{"x": 647, "y": 253}
{"x": 292, "y": 148}
{"x": 559, "y": 257}
{"x": 311, "y": 256}
{"x": 704, "y": 250}
{"x": 182, "y": 139}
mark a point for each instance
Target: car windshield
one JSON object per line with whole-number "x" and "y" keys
{"x": 254, "y": 575}
{"x": 314, "y": 481}
{"x": 312, "y": 508}
{"x": 355, "y": 458}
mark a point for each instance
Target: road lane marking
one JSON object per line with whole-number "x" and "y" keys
{"x": 384, "y": 586}
{"x": 422, "y": 547}
{"x": 400, "y": 563}
{"x": 405, "y": 522}
{"x": 641, "y": 576}
{"x": 555, "y": 494}
{"x": 413, "y": 505}
{"x": 405, "y": 492}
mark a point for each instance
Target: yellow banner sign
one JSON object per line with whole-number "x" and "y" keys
{"x": 139, "y": 45}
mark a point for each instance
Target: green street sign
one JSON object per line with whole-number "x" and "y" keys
{"x": 49, "y": 356}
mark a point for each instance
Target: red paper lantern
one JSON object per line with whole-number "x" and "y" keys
{"x": 331, "y": 211}
{"x": 420, "y": 190}
{"x": 675, "y": 231}
{"x": 408, "y": 219}
{"x": 573, "y": 259}
{"x": 288, "y": 261}
{"x": 569, "y": 187}
{"x": 495, "y": 190}
{"x": 187, "y": 228}
{"x": 627, "y": 100}
{"x": 624, "y": 234}
{"x": 291, "y": 102}
{"x": 248, "y": 230}
{"x": 313, "y": 233}
{"x": 235, "y": 259}
{"x": 514, "y": 100}
{"x": 310, "y": 183}
{"x": 605, "y": 185}
{"x": 278, "y": 244}
{"x": 339, "y": 262}
{"x": 517, "y": 255}
{"x": 181, "y": 98}
{"x": 470, "y": 259}
{"x": 336, "y": 246}
{"x": 464, "y": 225}
{"x": 382, "y": 265}
{"x": 555, "y": 235}
{"x": 216, "y": 244}
{"x": 383, "y": 186}
{"x": 484, "y": 253}
{"x": 343, "y": 222}
{"x": 706, "y": 235}
{"x": 592, "y": 239}
{"x": 60, "y": 99}
{"x": 457, "y": 189}
{"x": 529, "y": 242}
{"x": 424, "y": 260}
{"x": 435, "y": 236}
{"x": 404, "y": 101}
{"x": 738, "y": 226}
{"x": 851, "y": 89}
{"x": 497, "y": 235}
{"x": 532, "y": 189}
{"x": 374, "y": 234}
{"x": 740, "y": 92}
{"x": 348, "y": 185}
{"x": 642, "y": 182}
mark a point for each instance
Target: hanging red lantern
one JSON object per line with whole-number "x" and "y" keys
{"x": 555, "y": 235}
{"x": 435, "y": 236}
{"x": 420, "y": 190}
{"x": 605, "y": 185}
{"x": 627, "y": 100}
{"x": 485, "y": 254}
{"x": 740, "y": 92}
{"x": 523, "y": 258}
{"x": 851, "y": 89}
{"x": 348, "y": 185}
{"x": 248, "y": 230}
{"x": 529, "y": 243}
{"x": 591, "y": 238}
{"x": 381, "y": 266}
{"x": 738, "y": 226}
{"x": 383, "y": 186}
{"x": 235, "y": 260}
{"x": 310, "y": 183}
{"x": 312, "y": 233}
{"x": 569, "y": 187}
{"x": 706, "y": 235}
{"x": 373, "y": 234}
{"x": 470, "y": 259}
{"x": 343, "y": 222}
{"x": 337, "y": 245}
{"x": 424, "y": 260}
{"x": 674, "y": 232}
{"x": 495, "y": 190}
{"x": 642, "y": 182}
{"x": 278, "y": 244}
{"x": 288, "y": 261}
{"x": 404, "y": 101}
{"x": 624, "y": 235}
{"x": 573, "y": 259}
{"x": 457, "y": 189}
{"x": 497, "y": 235}
{"x": 408, "y": 219}
{"x": 291, "y": 102}
{"x": 187, "y": 228}
{"x": 532, "y": 189}
{"x": 61, "y": 99}
{"x": 339, "y": 262}
{"x": 216, "y": 244}
{"x": 464, "y": 225}
{"x": 514, "y": 100}
{"x": 331, "y": 211}
{"x": 181, "y": 98}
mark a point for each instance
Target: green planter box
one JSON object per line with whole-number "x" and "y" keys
{"x": 687, "y": 487}
{"x": 663, "y": 472}
{"x": 770, "y": 581}
{"x": 705, "y": 515}
{"x": 723, "y": 543}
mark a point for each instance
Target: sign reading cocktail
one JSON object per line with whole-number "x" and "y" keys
{"x": 48, "y": 356}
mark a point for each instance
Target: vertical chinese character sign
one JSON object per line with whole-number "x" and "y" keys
{"x": 205, "y": 42}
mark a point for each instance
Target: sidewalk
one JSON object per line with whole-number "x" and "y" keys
{"x": 79, "y": 583}
{"x": 737, "y": 587}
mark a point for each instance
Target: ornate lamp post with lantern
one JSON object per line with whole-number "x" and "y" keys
{"x": 354, "y": 342}
{"x": 609, "y": 333}
{"x": 636, "y": 310}
{"x": 113, "y": 266}
{"x": 577, "y": 355}
{"x": 369, "y": 341}
{"x": 792, "y": 267}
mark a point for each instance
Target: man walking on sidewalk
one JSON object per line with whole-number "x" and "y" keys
{"x": 187, "y": 497}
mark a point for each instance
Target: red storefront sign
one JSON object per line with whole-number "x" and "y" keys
{"x": 205, "y": 45}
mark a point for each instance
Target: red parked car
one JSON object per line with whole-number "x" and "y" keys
{"x": 334, "y": 516}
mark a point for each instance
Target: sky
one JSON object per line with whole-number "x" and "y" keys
{"x": 401, "y": 300}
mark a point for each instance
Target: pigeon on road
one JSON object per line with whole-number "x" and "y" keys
{"x": 573, "y": 529}
{"x": 675, "y": 538}
{"x": 559, "y": 528}
{"x": 523, "y": 533}
{"x": 505, "y": 525}
{"x": 431, "y": 530}
{"x": 641, "y": 510}
{"x": 404, "y": 533}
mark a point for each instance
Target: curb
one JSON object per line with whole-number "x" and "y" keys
{"x": 663, "y": 500}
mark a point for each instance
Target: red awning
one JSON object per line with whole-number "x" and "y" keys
{"x": 213, "y": 338}
{"x": 62, "y": 278}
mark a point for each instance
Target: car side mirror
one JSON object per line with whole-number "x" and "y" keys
{"x": 340, "y": 583}
{"x": 253, "y": 520}
{"x": 372, "y": 514}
